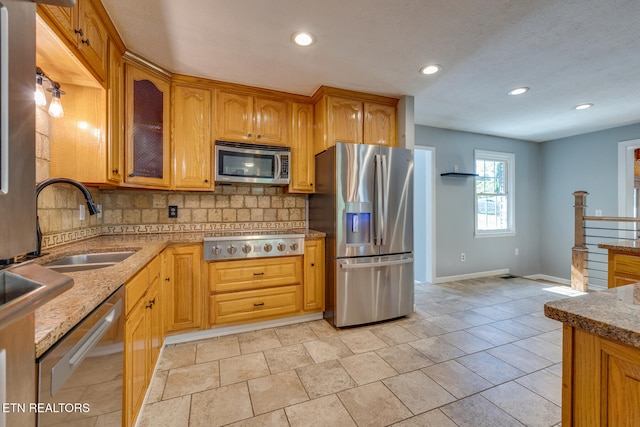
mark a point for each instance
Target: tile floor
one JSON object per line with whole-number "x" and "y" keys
{"x": 475, "y": 353}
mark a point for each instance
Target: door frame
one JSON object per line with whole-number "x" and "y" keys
{"x": 432, "y": 226}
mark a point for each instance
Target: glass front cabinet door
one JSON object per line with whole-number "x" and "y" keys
{"x": 148, "y": 153}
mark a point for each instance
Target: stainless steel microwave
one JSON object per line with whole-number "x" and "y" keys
{"x": 252, "y": 163}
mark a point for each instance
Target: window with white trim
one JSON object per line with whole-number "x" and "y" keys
{"x": 494, "y": 193}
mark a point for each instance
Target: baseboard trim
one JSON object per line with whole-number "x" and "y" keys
{"x": 236, "y": 329}
{"x": 471, "y": 275}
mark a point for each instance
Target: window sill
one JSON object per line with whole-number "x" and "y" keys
{"x": 483, "y": 234}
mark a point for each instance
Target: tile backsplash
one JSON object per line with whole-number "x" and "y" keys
{"x": 229, "y": 207}
{"x": 146, "y": 211}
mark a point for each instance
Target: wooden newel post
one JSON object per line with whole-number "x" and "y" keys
{"x": 579, "y": 252}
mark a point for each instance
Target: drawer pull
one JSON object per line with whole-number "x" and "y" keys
{"x": 258, "y": 304}
{"x": 258, "y": 274}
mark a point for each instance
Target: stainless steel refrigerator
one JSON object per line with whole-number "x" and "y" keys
{"x": 364, "y": 203}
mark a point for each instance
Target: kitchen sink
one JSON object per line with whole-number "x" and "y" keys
{"x": 13, "y": 287}
{"x": 90, "y": 261}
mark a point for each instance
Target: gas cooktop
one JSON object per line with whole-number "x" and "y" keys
{"x": 227, "y": 245}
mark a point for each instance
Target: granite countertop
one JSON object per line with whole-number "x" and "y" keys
{"x": 631, "y": 246}
{"x": 54, "y": 319}
{"x": 613, "y": 314}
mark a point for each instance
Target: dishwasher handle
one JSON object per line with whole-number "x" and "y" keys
{"x": 62, "y": 370}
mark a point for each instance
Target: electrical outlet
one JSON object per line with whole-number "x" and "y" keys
{"x": 463, "y": 257}
{"x": 173, "y": 211}
{"x": 82, "y": 213}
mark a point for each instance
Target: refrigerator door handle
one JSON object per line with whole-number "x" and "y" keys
{"x": 375, "y": 264}
{"x": 385, "y": 200}
{"x": 378, "y": 193}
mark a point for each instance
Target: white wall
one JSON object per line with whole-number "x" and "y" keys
{"x": 455, "y": 206}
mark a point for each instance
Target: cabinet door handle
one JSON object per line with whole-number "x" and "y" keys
{"x": 132, "y": 175}
{"x": 86, "y": 42}
{"x": 206, "y": 181}
{"x": 259, "y": 136}
{"x": 312, "y": 264}
{"x": 249, "y": 135}
{"x": 79, "y": 32}
{"x": 167, "y": 279}
{"x": 116, "y": 171}
{"x": 258, "y": 304}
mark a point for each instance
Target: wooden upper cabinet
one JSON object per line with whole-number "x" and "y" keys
{"x": 302, "y": 157}
{"x": 380, "y": 124}
{"x": 235, "y": 117}
{"x": 147, "y": 126}
{"x": 61, "y": 19}
{"x": 192, "y": 137}
{"x": 252, "y": 119}
{"x": 82, "y": 29}
{"x": 93, "y": 38}
{"x": 353, "y": 117}
{"x": 271, "y": 122}
{"x": 345, "y": 120}
{"x": 115, "y": 108}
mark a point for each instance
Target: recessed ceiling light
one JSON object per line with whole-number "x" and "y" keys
{"x": 303, "y": 38}
{"x": 430, "y": 69}
{"x": 582, "y": 106}
{"x": 518, "y": 91}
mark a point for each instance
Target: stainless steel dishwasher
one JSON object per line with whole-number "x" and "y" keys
{"x": 81, "y": 378}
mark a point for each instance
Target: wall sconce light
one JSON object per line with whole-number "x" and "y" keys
{"x": 55, "y": 107}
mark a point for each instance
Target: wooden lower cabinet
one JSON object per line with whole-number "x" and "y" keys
{"x": 245, "y": 306}
{"x": 254, "y": 289}
{"x": 135, "y": 363}
{"x": 143, "y": 337}
{"x": 314, "y": 274}
{"x": 600, "y": 381}
{"x": 624, "y": 268}
{"x": 183, "y": 292}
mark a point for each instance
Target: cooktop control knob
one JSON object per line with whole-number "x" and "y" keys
{"x": 246, "y": 248}
{"x": 294, "y": 246}
{"x": 216, "y": 250}
{"x": 232, "y": 249}
{"x": 268, "y": 247}
{"x": 281, "y": 247}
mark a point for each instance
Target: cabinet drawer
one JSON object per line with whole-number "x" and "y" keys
{"x": 626, "y": 264}
{"x": 231, "y": 276}
{"x": 136, "y": 288}
{"x": 245, "y": 306}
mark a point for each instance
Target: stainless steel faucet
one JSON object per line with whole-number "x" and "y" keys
{"x": 93, "y": 209}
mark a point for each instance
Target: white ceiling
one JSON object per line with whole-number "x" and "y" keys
{"x": 567, "y": 51}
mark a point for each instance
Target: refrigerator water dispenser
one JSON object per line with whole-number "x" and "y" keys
{"x": 358, "y": 228}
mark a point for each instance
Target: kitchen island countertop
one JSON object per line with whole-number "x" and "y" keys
{"x": 613, "y": 314}
{"x": 631, "y": 246}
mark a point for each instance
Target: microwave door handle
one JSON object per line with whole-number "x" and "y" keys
{"x": 278, "y": 171}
